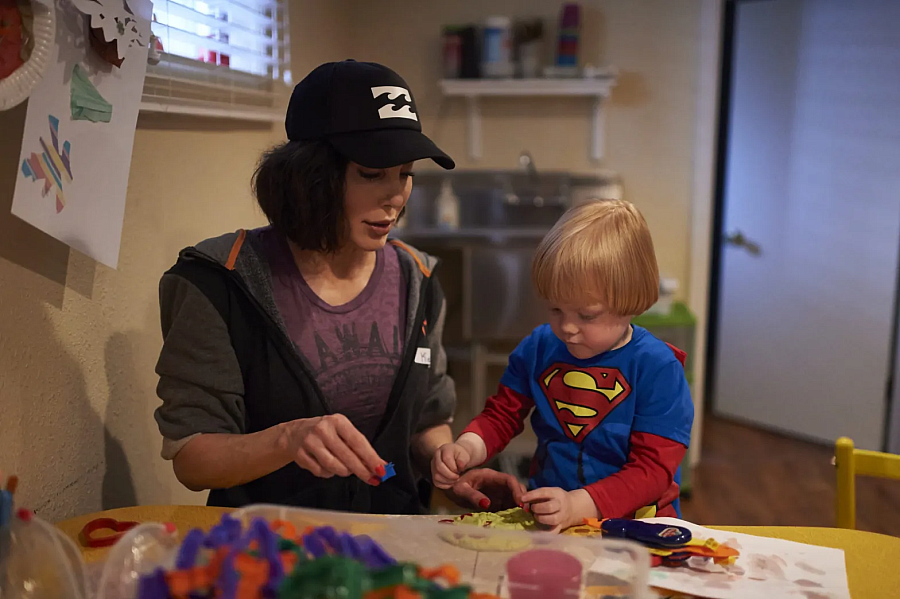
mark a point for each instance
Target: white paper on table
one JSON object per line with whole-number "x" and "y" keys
{"x": 83, "y": 202}
{"x": 766, "y": 568}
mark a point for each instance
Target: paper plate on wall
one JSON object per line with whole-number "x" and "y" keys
{"x": 15, "y": 88}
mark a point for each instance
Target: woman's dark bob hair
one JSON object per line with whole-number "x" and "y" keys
{"x": 300, "y": 187}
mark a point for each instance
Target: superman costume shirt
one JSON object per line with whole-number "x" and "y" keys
{"x": 617, "y": 425}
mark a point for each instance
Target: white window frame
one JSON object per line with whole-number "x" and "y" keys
{"x": 179, "y": 85}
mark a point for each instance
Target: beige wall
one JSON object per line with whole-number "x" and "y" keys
{"x": 650, "y": 121}
{"x": 79, "y": 341}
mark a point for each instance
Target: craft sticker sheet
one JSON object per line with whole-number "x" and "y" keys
{"x": 765, "y": 568}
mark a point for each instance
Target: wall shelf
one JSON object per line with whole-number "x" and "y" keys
{"x": 598, "y": 88}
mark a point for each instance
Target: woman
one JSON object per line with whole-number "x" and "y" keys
{"x": 301, "y": 357}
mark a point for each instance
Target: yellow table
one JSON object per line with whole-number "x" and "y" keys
{"x": 185, "y": 517}
{"x": 872, "y": 568}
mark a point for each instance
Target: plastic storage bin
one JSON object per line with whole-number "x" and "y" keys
{"x": 594, "y": 568}
{"x": 676, "y": 327}
{"x": 37, "y": 561}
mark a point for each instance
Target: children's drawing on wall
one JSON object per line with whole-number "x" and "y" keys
{"x": 51, "y": 166}
{"x": 90, "y": 95}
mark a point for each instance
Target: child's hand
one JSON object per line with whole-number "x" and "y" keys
{"x": 449, "y": 461}
{"x": 559, "y": 509}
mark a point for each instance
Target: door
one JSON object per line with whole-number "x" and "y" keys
{"x": 811, "y": 222}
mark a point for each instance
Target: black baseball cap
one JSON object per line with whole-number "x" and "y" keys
{"x": 365, "y": 110}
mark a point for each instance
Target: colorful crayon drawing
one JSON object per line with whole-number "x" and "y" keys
{"x": 51, "y": 165}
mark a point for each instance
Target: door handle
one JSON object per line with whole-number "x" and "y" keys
{"x": 737, "y": 239}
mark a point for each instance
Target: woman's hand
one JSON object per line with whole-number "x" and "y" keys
{"x": 559, "y": 509}
{"x": 449, "y": 461}
{"x": 331, "y": 446}
{"x": 485, "y": 488}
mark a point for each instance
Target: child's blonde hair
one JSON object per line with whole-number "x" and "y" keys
{"x": 600, "y": 252}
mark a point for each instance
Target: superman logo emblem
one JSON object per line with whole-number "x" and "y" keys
{"x": 582, "y": 397}
{"x": 670, "y": 532}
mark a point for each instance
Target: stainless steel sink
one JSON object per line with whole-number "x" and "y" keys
{"x": 492, "y": 199}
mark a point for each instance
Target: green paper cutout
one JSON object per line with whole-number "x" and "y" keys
{"x": 87, "y": 103}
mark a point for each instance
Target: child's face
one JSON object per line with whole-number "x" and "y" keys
{"x": 587, "y": 331}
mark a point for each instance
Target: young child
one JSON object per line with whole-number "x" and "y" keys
{"x": 610, "y": 403}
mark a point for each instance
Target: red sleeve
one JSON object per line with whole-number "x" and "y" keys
{"x": 645, "y": 478}
{"x": 502, "y": 419}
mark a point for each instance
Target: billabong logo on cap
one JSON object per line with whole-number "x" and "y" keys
{"x": 390, "y": 109}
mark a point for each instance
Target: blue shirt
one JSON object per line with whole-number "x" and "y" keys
{"x": 586, "y": 410}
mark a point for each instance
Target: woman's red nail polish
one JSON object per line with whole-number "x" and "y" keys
{"x": 375, "y": 481}
{"x": 380, "y": 470}
{"x": 484, "y": 504}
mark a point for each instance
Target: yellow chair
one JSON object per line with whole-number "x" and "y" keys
{"x": 850, "y": 462}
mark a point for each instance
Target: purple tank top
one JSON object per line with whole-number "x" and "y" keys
{"x": 355, "y": 349}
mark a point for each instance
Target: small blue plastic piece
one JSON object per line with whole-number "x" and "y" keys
{"x": 6, "y": 508}
{"x": 227, "y": 531}
{"x": 228, "y": 575}
{"x": 372, "y": 554}
{"x": 268, "y": 544}
{"x": 315, "y": 545}
{"x": 153, "y": 585}
{"x": 389, "y": 471}
{"x": 366, "y": 556}
{"x": 676, "y": 559}
{"x": 349, "y": 547}
{"x": 385, "y": 557}
{"x": 330, "y": 536}
{"x": 190, "y": 548}
{"x": 228, "y": 579}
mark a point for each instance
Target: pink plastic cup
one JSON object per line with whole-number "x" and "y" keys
{"x": 543, "y": 574}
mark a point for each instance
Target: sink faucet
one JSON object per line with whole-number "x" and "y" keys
{"x": 527, "y": 162}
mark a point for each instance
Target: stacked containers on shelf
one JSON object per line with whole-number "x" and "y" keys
{"x": 496, "y": 58}
{"x": 567, "y": 49}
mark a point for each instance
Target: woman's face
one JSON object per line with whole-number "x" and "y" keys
{"x": 373, "y": 202}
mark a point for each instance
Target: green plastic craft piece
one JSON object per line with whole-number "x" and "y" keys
{"x": 337, "y": 577}
{"x": 287, "y": 545}
{"x": 678, "y": 316}
{"x": 406, "y": 574}
{"x": 328, "y": 577}
{"x": 454, "y": 593}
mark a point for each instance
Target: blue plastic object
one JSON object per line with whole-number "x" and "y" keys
{"x": 388, "y": 471}
{"x": 190, "y": 548}
{"x": 372, "y": 554}
{"x": 646, "y": 533}
{"x": 330, "y": 537}
{"x": 6, "y": 508}
{"x": 153, "y": 585}
{"x": 349, "y": 547}
{"x": 315, "y": 544}
{"x": 676, "y": 559}
{"x": 225, "y": 532}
